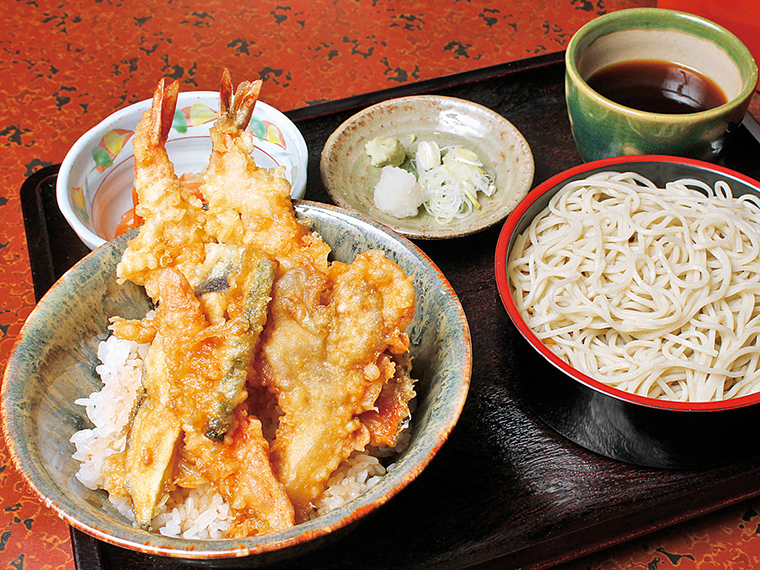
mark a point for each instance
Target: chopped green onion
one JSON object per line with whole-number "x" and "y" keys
{"x": 450, "y": 185}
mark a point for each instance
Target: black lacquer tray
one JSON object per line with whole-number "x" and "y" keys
{"x": 505, "y": 490}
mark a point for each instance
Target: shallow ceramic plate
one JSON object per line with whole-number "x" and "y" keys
{"x": 350, "y": 179}
{"x": 94, "y": 184}
{"x": 54, "y": 363}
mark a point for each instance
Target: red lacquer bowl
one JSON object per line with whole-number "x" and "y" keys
{"x": 623, "y": 426}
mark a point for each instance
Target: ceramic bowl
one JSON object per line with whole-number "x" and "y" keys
{"x": 603, "y": 128}
{"x": 619, "y": 425}
{"x": 94, "y": 185}
{"x": 350, "y": 178}
{"x": 55, "y": 356}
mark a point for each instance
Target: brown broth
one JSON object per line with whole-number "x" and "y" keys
{"x": 657, "y": 87}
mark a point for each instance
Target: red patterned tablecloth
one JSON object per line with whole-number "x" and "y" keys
{"x": 66, "y": 64}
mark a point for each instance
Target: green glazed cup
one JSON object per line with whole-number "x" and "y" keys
{"x": 602, "y": 128}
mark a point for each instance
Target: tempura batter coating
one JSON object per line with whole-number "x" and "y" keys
{"x": 239, "y": 465}
{"x": 333, "y": 349}
{"x": 248, "y": 205}
{"x": 391, "y": 410}
{"x": 327, "y": 335}
{"x": 212, "y": 305}
{"x": 172, "y": 234}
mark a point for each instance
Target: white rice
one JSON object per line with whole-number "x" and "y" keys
{"x": 199, "y": 513}
{"x": 354, "y": 476}
{"x": 196, "y": 513}
{"x": 109, "y": 409}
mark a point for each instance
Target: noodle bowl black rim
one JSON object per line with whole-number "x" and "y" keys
{"x": 509, "y": 233}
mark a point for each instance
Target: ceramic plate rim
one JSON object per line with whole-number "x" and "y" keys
{"x": 525, "y": 166}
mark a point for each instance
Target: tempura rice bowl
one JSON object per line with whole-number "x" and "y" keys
{"x": 599, "y": 417}
{"x": 54, "y": 362}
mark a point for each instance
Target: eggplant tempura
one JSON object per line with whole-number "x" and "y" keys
{"x": 269, "y": 365}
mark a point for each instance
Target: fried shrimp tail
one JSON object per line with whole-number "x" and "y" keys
{"x": 154, "y": 172}
{"x": 237, "y": 106}
{"x": 249, "y": 205}
{"x": 172, "y": 234}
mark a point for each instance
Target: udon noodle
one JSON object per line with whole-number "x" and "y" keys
{"x": 651, "y": 290}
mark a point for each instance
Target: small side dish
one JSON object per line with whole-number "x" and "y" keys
{"x": 95, "y": 182}
{"x": 429, "y": 167}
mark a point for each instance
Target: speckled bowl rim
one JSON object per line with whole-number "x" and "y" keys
{"x": 416, "y": 459}
{"x": 523, "y": 183}
{"x": 658, "y": 18}
{"x": 523, "y": 214}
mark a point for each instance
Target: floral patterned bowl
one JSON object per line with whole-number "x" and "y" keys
{"x": 94, "y": 185}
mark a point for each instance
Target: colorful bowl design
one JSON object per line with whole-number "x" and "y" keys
{"x": 94, "y": 186}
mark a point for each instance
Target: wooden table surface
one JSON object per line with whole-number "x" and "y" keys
{"x": 67, "y": 64}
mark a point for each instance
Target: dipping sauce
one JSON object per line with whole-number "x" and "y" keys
{"x": 657, "y": 87}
